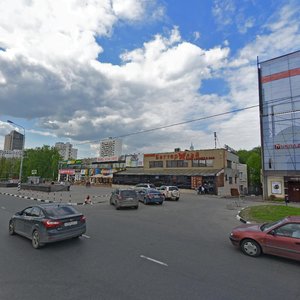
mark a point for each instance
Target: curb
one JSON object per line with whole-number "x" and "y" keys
{"x": 50, "y": 201}
{"x": 239, "y": 218}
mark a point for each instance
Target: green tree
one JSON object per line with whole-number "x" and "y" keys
{"x": 44, "y": 160}
{"x": 252, "y": 158}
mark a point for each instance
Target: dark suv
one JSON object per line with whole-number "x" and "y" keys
{"x": 124, "y": 198}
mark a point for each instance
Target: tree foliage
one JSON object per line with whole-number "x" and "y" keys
{"x": 44, "y": 160}
{"x": 252, "y": 159}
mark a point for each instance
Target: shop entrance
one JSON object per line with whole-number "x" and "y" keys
{"x": 294, "y": 191}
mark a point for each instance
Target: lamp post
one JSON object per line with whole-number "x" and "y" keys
{"x": 22, "y": 156}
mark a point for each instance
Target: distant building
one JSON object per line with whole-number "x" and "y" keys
{"x": 243, "y": 179}
{"x": 279, "y": 95}
{"x": 14, "y": 141}
{"x": 11, "y": 153}
{"x": 66, "y": 150}
{"x": 110, "y": 149}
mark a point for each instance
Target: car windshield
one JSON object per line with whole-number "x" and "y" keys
{"x": 60, "y": 211}
{"x": 173, "y": 188}
{"x": 153, "y": 191}
{"x": 267, "y": 226}
{"x": 128, "y": 193}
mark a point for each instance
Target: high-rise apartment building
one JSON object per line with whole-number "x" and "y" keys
{"x": 279, "y": 93}
{"x": 66, "y": 150}
{"x": 14, "y": 141}
{"x": 110, "y": 149}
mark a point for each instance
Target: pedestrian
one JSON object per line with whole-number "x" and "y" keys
{"x": 88, "y": 200}
{"x": 200, "y": 189}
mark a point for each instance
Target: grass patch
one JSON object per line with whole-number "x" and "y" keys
{"x": 268, "y": 213}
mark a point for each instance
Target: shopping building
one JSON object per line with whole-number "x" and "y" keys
{"x": 218, "y": 170}
{"x": 279, "y": 99}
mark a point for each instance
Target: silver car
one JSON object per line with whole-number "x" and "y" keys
{"x": 124, "y": 198}
{"x": 47, "y": 223}
{"x": 170, "y": 192}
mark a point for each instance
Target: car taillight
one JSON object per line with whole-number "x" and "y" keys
{"x": 82, "y": 219}
{"x": 51, "y": 223}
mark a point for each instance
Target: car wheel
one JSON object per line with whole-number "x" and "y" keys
{"x": 177, "y": 199}
{"x": 251, "y": 248}
{"x": 145, "y": 201}
{"x": 117, "y": 206}
{"x": 11, "y": 228}
{"x": 136, "y": 207}
{"x": 36, "y": 240}
{"x": 110, "y": 201}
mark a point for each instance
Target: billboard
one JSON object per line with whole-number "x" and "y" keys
{"x": 134, "y": 160}
{"x": 279, "y": 88}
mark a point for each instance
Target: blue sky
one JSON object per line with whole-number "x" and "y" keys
{"x": 81, "y": 71}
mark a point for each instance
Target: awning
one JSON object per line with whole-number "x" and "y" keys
{"x": 101, "y": 176}
{"x": 169, "y": 172}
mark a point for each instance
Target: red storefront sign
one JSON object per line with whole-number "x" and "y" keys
{"x": 67, "y": 171}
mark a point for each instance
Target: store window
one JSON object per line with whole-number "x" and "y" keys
{"x": 156, "y": 164}
{"x": 177, "y": 164}
{"x": 202, "y": 163}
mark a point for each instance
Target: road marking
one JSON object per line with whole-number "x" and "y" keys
{"x": 2, "y": 207}
{"x": 86, "y": 236}
{"x": 154, "y": 260}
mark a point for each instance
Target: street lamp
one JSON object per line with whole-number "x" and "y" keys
{"x": 22, "y": 156}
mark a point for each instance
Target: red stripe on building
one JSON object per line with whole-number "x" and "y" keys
{"x": 280, "y": 75}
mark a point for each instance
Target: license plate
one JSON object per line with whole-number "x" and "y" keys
{"x": 70, "y": 223}
{"x": 129, "y": 198}
{"x": 156, "y": 196}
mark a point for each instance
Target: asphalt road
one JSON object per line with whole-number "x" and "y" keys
{"x": 179, "y": 250}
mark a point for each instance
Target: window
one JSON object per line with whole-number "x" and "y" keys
{"x": 156, "y": 164}
{"x": 202, "y": 163}
{"x": 27, "y": 211}
{"x": 177, "y": 164}
{"x": 56, "y": 211}
{"x": 35, "y": 212}
{"x": 289, "y": 230}
{"x": 209, "y": 163}
{"x": 229, "y": 164}
{"x": 230, "y": 180}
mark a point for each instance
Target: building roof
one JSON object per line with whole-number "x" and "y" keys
{"x": 172, "y": 172}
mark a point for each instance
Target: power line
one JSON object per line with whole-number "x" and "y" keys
{"x": 175, "y": 124}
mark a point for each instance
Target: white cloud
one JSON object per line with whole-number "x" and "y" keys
{"x": 51, "y": 74}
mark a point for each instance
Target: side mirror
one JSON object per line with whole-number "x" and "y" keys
{"x": 272, "y": 232}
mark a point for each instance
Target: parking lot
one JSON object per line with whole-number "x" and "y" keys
{"x": 178, "y": 250}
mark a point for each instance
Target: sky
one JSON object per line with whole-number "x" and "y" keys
{"x": 159, "y": 74}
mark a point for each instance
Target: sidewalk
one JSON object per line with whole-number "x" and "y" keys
{"x": 75, "y": 196}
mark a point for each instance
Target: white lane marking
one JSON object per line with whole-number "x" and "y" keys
{"x": 86, "y": 236}
{"x": 2, "y": 207}
{"x": 154, "y": 260}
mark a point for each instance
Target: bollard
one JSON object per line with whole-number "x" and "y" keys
{"x": 70, "y": 198}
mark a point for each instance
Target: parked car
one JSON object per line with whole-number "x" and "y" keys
{"x": 281, "y": 238}
{"x": 151, "y": 196}
{"x": 124, "y": 198}
{"x": 47, "y": 223}
{"x": 142, "y": 186}
{"x": 170, "y": 192}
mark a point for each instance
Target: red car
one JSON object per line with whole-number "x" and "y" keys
{"x": 281, "y": 238}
